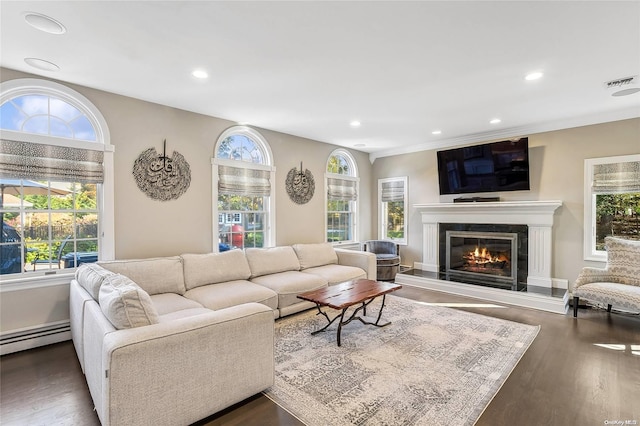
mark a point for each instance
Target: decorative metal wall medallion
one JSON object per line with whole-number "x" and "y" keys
{"x": 160, "y": 177}
{"x": 300, "y": 185}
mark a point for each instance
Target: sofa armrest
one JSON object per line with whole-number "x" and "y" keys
{"x": 185, "y": 370}
{"x": 362, "y": 259}
{"x": 591, "y": 275}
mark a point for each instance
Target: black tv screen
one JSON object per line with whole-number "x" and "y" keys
{"x": 490, "y": 167}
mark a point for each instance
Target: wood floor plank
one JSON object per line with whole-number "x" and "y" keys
{"x": 577, "y": 372}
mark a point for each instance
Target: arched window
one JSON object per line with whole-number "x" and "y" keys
{"x": 342, "y": 185}
{"x": 56, "y": 179}
{"x": 243, "y": 175}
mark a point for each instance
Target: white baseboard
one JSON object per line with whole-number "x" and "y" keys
{"x": 33, "y": 337}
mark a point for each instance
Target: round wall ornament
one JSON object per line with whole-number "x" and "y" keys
{"x": 160, "y": 177}
{"x": 300, "y": 185}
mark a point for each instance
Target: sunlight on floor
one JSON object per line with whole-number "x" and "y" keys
{"x": 463, "y": 305}
{"x": 635, "y": 349}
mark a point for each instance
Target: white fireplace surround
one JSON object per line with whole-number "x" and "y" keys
{"x": 537, "y": 215}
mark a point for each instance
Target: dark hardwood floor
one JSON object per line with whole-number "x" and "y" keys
{"x": 576, "y": 372}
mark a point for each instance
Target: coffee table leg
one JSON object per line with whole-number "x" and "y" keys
{"x": 340, "y": 324}
{"x": 353, "y": 316}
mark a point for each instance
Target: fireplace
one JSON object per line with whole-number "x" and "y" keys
{"x": 493, "y": 255}
{"x": 482, "y": 256}
{"x": 532, "y": 221}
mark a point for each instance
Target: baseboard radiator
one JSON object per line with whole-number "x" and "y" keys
{"x": 33, "y": 337}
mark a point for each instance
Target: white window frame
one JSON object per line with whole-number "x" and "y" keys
{"x": 270, "y": 232}
{"x": 106, "y": 224}
{"x": 356, "y": 204}
{"x": 382, "y": 211}
{"x": 590, "y": 252}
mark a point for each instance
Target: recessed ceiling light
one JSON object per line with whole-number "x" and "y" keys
{"x": 201, "y": 74}
{"x": 355, "y": 123}
{"x": 360, "y": 145}
{"x": 41, "y": 64}
{"x": 625, "y": 92}
{"x": 44, "y": 23}
{"x": 533, "y": 76}
{"x": 436, "y": 132}
{"x": 495, "y": 121}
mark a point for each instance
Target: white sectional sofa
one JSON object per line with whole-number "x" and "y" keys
{"x": 170, "y": 341}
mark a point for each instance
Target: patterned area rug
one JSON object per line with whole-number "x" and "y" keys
{"x": 430, "y": 366}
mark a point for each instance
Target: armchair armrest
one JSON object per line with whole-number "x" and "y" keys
{"x": 591, "y": 275}
{"x": 362, "y": 259}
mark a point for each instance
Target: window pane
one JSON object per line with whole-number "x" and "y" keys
{"x": 82, "y": 129}
{"x": 58, "y": 223}
{"x": 241, "y": 148}
{"x": 11, "y": 260}
{"x": 63, "y": 110}
{"x": 395, "y": 219}
{"x": 339, "y": 165}
{"x": 237, "y": 227}
{"x": 59, "y": 128}
{"x": 37, "y": 124}
{"x": 617, "y": 215}
{"x": 11, "y": 118}
{"x": 33, "y": 104}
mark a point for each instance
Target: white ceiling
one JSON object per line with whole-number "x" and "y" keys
{"x": 403, "y": 69}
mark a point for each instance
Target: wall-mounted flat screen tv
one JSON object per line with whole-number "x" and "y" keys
{"x": 490, "y": 167}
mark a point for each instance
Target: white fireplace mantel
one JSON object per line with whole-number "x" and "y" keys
{"x": 537, "y": 215}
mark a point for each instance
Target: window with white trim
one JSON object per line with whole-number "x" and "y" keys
{"x": 55, "y": 162}
{"x": 243, "y": 176}
{"x": 392, "y": 209}
{"x": 342, "y": 185}
{"x": 611, "y": 202}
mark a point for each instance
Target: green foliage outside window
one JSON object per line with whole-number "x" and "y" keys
{"x": 617, "y": 215}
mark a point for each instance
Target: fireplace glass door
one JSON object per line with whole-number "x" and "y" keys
{"x": 489, "y": 257}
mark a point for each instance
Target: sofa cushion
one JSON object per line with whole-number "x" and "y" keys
{"x": 312, "y": 255}
{"x": 288, "y": 285}
{"x": 125, "y": 304}
{"x": 623, "y": 262}
{"x": 154, "y": 275}
{"x": 184, "y": 313}
{"x": 212, "y": 268}
{"x": 335, "y": 274}
{"x": 90, "y": 276}
{"x": 166, "y": 303}
{"x": 232, "y": 293}
{"x": 264, "y": 261}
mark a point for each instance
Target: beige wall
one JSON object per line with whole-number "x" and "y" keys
{"x": 145, "y": 227}
{"x": 557, "y": 173}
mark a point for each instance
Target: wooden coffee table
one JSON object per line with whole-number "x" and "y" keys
{"x": 344, "y": 295}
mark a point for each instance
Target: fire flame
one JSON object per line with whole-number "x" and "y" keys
{"x": 481, "y": 256}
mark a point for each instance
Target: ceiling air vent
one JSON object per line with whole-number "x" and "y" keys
{"x": 623, "y": 86}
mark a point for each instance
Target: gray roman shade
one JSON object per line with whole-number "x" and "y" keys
{"x": 341, "y": 189}
{"x": 392, "y": 191}
{"x": 27, "y": 160}
{"x": 616, "y": 177}
{"x": 242, "y": 181}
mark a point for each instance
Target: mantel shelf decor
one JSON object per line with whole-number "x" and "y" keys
{"x": 160, "y": 177}
{"x": 300, "y": 185}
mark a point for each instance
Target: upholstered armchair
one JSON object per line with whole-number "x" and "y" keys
{"x": 618, "y": 284}
{"x": 387, "y": 258}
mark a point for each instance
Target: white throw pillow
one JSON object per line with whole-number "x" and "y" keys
{"x": 90, "y": 276}
{"x": 125, "y": 304}
{"x": 312, "y": 255}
